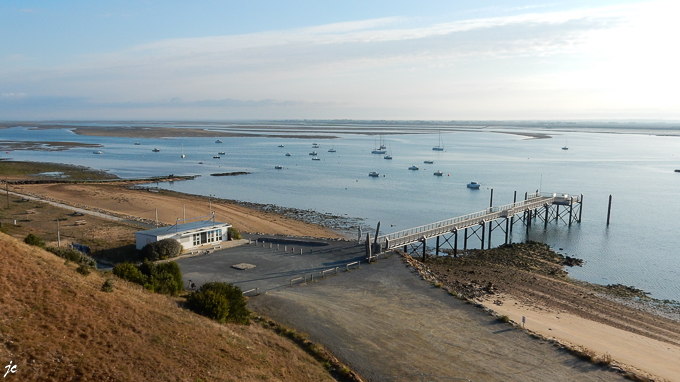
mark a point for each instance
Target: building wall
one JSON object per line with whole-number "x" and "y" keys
{"x": 188, "y": 239}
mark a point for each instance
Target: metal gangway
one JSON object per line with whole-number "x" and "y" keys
{"x": 537, "y": 205}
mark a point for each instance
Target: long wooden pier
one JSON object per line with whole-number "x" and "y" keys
{"x": 544, "y": 207}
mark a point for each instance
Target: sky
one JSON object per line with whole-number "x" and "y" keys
{"x": 299, "y": 59}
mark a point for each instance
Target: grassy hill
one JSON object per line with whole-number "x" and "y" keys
{"x": 58, "y": 325}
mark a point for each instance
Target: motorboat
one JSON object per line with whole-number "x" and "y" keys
{"x": 315, "y": 145}
{"x": 288, "y": 154}
{"x": 278, "y": 167}
{"x": 97, "y": 152}
{"x": 373, "y": 174}
{"x": 313, "y": 153}
{"x": 413, "y": 167}
{"x": 218, "y": 141}
{"x": 332, "y": 150}
{"x": 316, "y": 158}
{"x": 221, "y": 153}
{"x": 438, "y": 173}
{"x": 280, "y": 145}
{"x": 137, "y": 143}
{"x": 474, "y": 185}
{"x": 216, "y": 157}
{"x": 155, "y": 150}
{"x": 429, "y": 162}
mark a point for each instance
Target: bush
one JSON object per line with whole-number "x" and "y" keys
{"x": 162, "y": 249}
{"x": 107, "y": 286}
{"x": 129, "y": 272}
{"x": 31, "y": 239}
{"x": 220, "y": 301}
{"x": 233, "y": 233}
{"x": 162, "y": 278}
{"x": 83, "y": 270}
{"x": 73, "y": 255}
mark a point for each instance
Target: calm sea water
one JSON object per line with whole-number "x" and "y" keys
{"x": 639, "y": 248}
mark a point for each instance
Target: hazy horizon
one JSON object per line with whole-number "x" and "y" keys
{"x": 395, "y": 60}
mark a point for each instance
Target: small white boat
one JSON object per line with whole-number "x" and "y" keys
{"x": 313, "y": 153}
{"x": 280, "y": 145}
{"x": 316, "y": 158}
{"x": 216, "y": 157}
{"x": 565, "y": 148}
{"x": 288, "y": 154}
{"x": 388, "y": 156}
{"x": 373, "y": 174}
{"x": 378, "y": 151}
{"x": 474, "y": 185}
{"x": 221, "y": 153}
{"x": 413, "y": 167}
{"x": 315, "y": 145}
{"x": 183, "y": 156}
{"x": 331, "y": 150}
{"x": 155, "y": 150}
{"x": 137, "y": 143}
{"x": 218, "y": 141}
{"x": 97, "y": 152}
{"x": 278, "y": 167}
{"x": 438, "y": 173}
{"x": 429, "y": 162}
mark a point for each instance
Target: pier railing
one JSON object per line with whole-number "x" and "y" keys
{"x": 424, "y": 232}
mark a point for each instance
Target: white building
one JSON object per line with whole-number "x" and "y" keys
{"x": 190, "y": 235}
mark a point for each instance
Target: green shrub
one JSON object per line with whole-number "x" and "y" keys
{"x": 162, "y": 249}
{"x": 107, "y": 286}
{"x": 233, "y": 233}
{"x": 505, "y": 319}
{"x": 71, "y": 254}
{"x": 32, "y": 239}
{"x": 220, "y": 301}
{"x": 209, "y": 303}
{"x": 163, "y": 278}
{"x": 83, "y": 270}
{"x": 128, "y": 271}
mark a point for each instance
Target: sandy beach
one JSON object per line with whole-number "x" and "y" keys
{"x": 637, "y": 341}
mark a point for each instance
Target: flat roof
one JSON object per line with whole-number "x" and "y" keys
{"x": 182, "y": 227}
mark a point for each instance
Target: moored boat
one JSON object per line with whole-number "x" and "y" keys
{"x": 413, "y": 167}
{"x": 373, "y": 174}
{"x": 218, "y": 141}
{"x": 313, "y": 153}
{"x": 288, "y": 154}
{"x": 316, "y": 158}
{"x": 278, "y": 167}
{"x": 438, "y": 173}
{"x": 97, "y": 152}
{"x": 429, "y": 162}
{"x": 474, "y": 185}
{"x": 155, "y": 150}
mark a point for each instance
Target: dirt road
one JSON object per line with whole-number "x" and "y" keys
{"x": 385, "y": 322}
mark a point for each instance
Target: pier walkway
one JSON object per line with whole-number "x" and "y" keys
{"x": 543, "y": 206}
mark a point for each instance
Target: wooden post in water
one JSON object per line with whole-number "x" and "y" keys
{"x": 455, "y": 243}
{"x": 437, "y": 250}
{"x": 545, "y": 221}
{"x": 483, "y": 224}
{"x": 609, "y": 209}
{"x": 465, "y": 241}
{"x": 580, "y": 209}
{"x": 491, "y": 199}
{"x": 507, "y": 229}
{"x": 490, "y": 229}
{"x": 512, "y": 218}
{"x": 424, "y": 241}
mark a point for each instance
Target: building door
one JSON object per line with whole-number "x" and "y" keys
{"x": 203, "y": 238}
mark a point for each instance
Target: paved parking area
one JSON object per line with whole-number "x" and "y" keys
{"x": 277, "y": 261}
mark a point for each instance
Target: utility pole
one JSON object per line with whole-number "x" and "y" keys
{"x": 184, "y": 212}
{"x": 156, "y": 217}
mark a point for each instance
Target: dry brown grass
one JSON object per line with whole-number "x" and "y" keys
{"x": 58, "y": 325}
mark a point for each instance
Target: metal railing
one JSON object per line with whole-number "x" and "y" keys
{"x": 412, "y": 235}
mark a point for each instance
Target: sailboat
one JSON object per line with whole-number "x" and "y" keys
{"x": 183, "y": 156}
{"x": 439, "y": 147}
{"x": 380, "y": 149}
{"x": 565, "y": 146}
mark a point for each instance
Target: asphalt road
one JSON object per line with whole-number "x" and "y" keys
{"x": 275, "y": 266}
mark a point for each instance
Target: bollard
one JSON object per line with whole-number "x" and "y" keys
{"x": 285, "y": 248}
{"x": 270, "y": 245}
{"x": 277, "y": 247}
{"x": 301, "y": 251}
